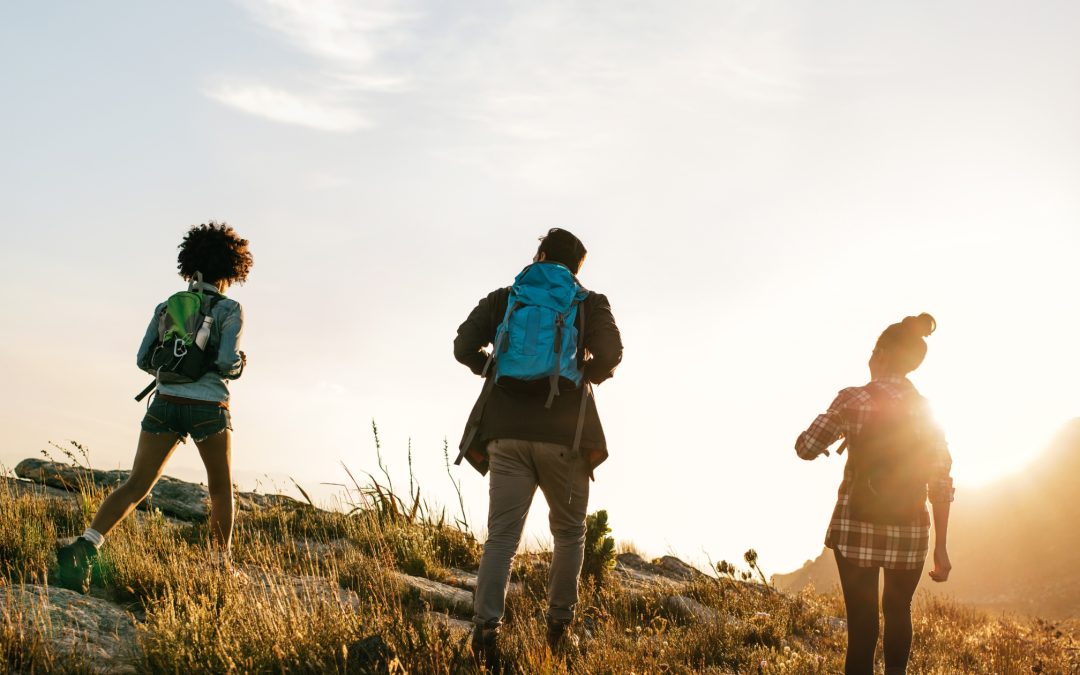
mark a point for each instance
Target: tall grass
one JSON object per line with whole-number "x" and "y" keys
{"x": 318, "y": 592}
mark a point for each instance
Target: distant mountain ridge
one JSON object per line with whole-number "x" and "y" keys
{"x": 1014, "y": 544}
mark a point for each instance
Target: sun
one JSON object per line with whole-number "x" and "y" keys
{"x": 994, "y": 429}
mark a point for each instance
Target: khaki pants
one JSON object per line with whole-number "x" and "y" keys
{"x": 517, "y": 468}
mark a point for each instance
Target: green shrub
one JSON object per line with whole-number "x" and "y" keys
{"x": 599, "y": 549}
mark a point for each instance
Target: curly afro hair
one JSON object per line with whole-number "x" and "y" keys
{"x": 215, "y": 250}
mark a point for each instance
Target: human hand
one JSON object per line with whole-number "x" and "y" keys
{"x": 942, "y": 566}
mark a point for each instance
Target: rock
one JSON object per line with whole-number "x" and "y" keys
{"x": 668, "y": 573}
{"x": 253, "y": 501}
{"x": 461, "y": 579}
{"x": 92, "y": 631}
{"x": 673, "y": 568}
{"x": 439, "y": 596}
{"x": 372, "y": 655}
{"x": 458, "y": 628}
{"x": 20, "y": 486}
{"x": 318, "y": 550}
{"x": 173, "y": 497}
{"x": 312, "y": 589}
{"x": 689, "y": 610}
{"x": 631, "y": 560}
{"x": 467, "y": 580}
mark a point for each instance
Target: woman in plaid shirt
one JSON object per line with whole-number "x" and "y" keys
{"x": 863, "y": 544}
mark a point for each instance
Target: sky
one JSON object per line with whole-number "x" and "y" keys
{"x": 762, "y": 186}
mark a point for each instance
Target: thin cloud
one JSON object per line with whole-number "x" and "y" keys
{"x": 347, "y": 43}
{"x": 282, "y": 106}
{"x": 546, "y": 76}
{"x": 337, "y": 31}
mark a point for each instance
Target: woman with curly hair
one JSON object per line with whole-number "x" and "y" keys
{"x": 897, "y": 458}
{"x": 212, "y": 257}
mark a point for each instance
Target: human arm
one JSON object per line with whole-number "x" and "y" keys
{"x": 478, "y": 331}
{"x": 230, "y": 360}
{"x": 942, "y": 565}
{"x": 941, "y": 493}
{"x": 826, "y": 429}
{"x": 602, "y": 339}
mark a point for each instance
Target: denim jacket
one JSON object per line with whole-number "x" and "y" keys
{"x": 225, "y": 333}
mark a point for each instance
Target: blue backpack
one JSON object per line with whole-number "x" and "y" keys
{"x": 538, "y": 337}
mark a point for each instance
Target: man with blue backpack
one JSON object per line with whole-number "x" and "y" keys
{"x": 535, "y": 423}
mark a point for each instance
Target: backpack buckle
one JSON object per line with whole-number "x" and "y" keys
{"x": 179, "y": 349}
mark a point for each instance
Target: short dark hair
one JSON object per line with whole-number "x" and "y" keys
{"x": 561, "y": 246}
{"x": 216, "y": 251}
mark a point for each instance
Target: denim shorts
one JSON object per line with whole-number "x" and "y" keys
{"x": 200, "y": 420}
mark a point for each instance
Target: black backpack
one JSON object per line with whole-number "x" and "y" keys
{"x": 889, "y": 461}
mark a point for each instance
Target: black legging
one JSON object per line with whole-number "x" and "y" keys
{"x": 860, "y": 586}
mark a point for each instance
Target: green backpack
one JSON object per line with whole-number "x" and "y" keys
{"x": 183, "y": 352}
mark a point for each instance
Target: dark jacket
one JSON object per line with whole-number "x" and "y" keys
{"x": 521, "y": 415}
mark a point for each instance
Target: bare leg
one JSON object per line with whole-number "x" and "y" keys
{"x": 150, "y": 457}
{"x": 216, "y": 453}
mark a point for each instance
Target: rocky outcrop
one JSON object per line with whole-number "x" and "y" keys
{"x": 262, "y": 585}
{"x": 440, "y": 596}
{"x": 459, "y": 628}
{"x": 690, "y": 610}
{"x": 22, "y": 486}
{"x": 447, "y": 599}
{"x": 666, "y": 573}
{"x": 93, "y": 633}
{"x": 173, "y": 497}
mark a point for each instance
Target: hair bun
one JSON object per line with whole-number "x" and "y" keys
{"x": 922, "y": 325}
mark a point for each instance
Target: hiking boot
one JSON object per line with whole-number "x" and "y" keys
{"x": 485, "y": 648}
{"x": 560, "y": 639}
{"x": 76, "y": 562}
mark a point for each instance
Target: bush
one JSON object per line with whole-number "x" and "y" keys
{"x": 599, "y": 549}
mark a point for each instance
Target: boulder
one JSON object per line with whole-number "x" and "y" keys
{"x": 261, "y": 584}
{"x": 439, "y": 596}
{"x": 21, "y": 486}
{"x": 667, "y": 573}
{"x": 461, "y": 578}
{"x": 91, "y": 632}
{"x": 173, "y": 497}
{"x": 458, "y": 628}
{"x": 689, "y": 610}
{"x": 673, "y": 568}
{"x": 372, "y": 655}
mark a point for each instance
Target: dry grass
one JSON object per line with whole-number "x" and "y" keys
{"x": 317, "y": 596}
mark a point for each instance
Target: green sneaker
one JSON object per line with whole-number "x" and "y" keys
{"x": 76, "y": 561}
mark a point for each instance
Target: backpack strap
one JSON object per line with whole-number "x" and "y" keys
{"x": 146, "y": 392}
{"x": 586, "y": 392}
{"x": 553, "y": 378}
{"x": 586, "y": 387}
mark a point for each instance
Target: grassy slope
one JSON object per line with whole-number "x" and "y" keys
{"x": 195, "y": 617}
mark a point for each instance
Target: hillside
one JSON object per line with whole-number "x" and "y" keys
{"x": 1014, "y": 544}
{"x": 386, "y": 588}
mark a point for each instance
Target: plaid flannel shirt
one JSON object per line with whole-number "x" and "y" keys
{"x": 899, "y": 547}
